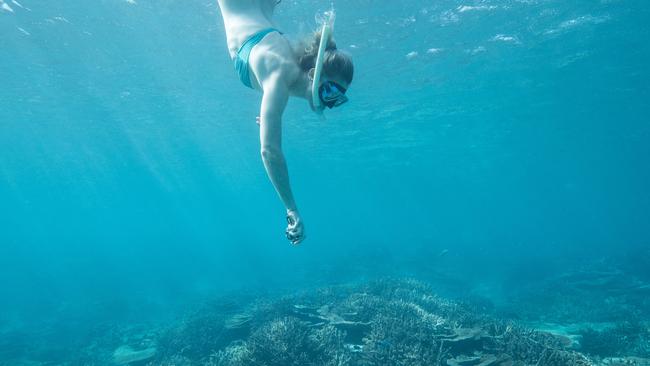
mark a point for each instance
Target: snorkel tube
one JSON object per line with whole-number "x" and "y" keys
{"x": 320, "y": 59}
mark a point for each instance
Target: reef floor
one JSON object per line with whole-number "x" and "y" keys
{"x": 380, "y": 322}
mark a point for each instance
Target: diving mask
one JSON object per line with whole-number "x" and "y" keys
{"x": 332, "y": 94}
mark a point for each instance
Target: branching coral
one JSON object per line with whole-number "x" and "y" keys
{"x": 402, "y": 333}
{"x": 386, "y": 322}
{"x": 288, "y": 342}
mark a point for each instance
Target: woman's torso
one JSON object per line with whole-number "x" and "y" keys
{"x": 273, "y": 54}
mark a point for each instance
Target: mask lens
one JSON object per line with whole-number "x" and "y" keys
{"x": 332, "y": 94}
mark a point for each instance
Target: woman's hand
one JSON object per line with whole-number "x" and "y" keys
{"x": 295, "y": 228}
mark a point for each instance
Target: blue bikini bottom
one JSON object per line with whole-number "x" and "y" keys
{"x": 244, "y": 52}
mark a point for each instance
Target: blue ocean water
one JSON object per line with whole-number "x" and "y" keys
{"x": 487, "y": 146}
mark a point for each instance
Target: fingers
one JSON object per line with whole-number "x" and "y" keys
{"x": 295, "y": 230}
{"x": 257, "y": 120}
{"x": 295, "y": 235}
{"x": 299, "y": 240}
{"x": 295, "y": 240}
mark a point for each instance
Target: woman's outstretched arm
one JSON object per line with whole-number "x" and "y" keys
{"x": 274, "y": 101}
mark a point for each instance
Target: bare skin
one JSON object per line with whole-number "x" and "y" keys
{"x": 276, "y": 74}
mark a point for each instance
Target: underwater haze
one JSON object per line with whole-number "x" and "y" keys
{"x": 495, "y": 150}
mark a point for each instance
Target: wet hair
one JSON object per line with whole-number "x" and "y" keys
{"x": 337, "y": 62}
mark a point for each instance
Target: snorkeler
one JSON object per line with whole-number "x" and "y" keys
{"x": 266, "y": 61}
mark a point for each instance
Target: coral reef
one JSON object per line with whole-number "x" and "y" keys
{"x": 625, "y": 339}
{"x": 569, "y": 304}
{"x": 601, "y": 291}
{"x": 386, "y": 322}
{"x": 126, "y": 355}
{"x": 623, "y": 361}
{"x": 287, "y": 342}
{"x": 204, "y": 331}
{"x": 383, "y": 322}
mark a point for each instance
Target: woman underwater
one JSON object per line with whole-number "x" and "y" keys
{"x": 266, "y": 61}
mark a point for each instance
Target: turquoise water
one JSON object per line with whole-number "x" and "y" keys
{"x": 493, "y": 144}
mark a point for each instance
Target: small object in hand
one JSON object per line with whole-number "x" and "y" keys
{"x": 295, "y": 230}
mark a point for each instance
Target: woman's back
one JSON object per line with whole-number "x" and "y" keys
{"x": 243, "y": 18}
